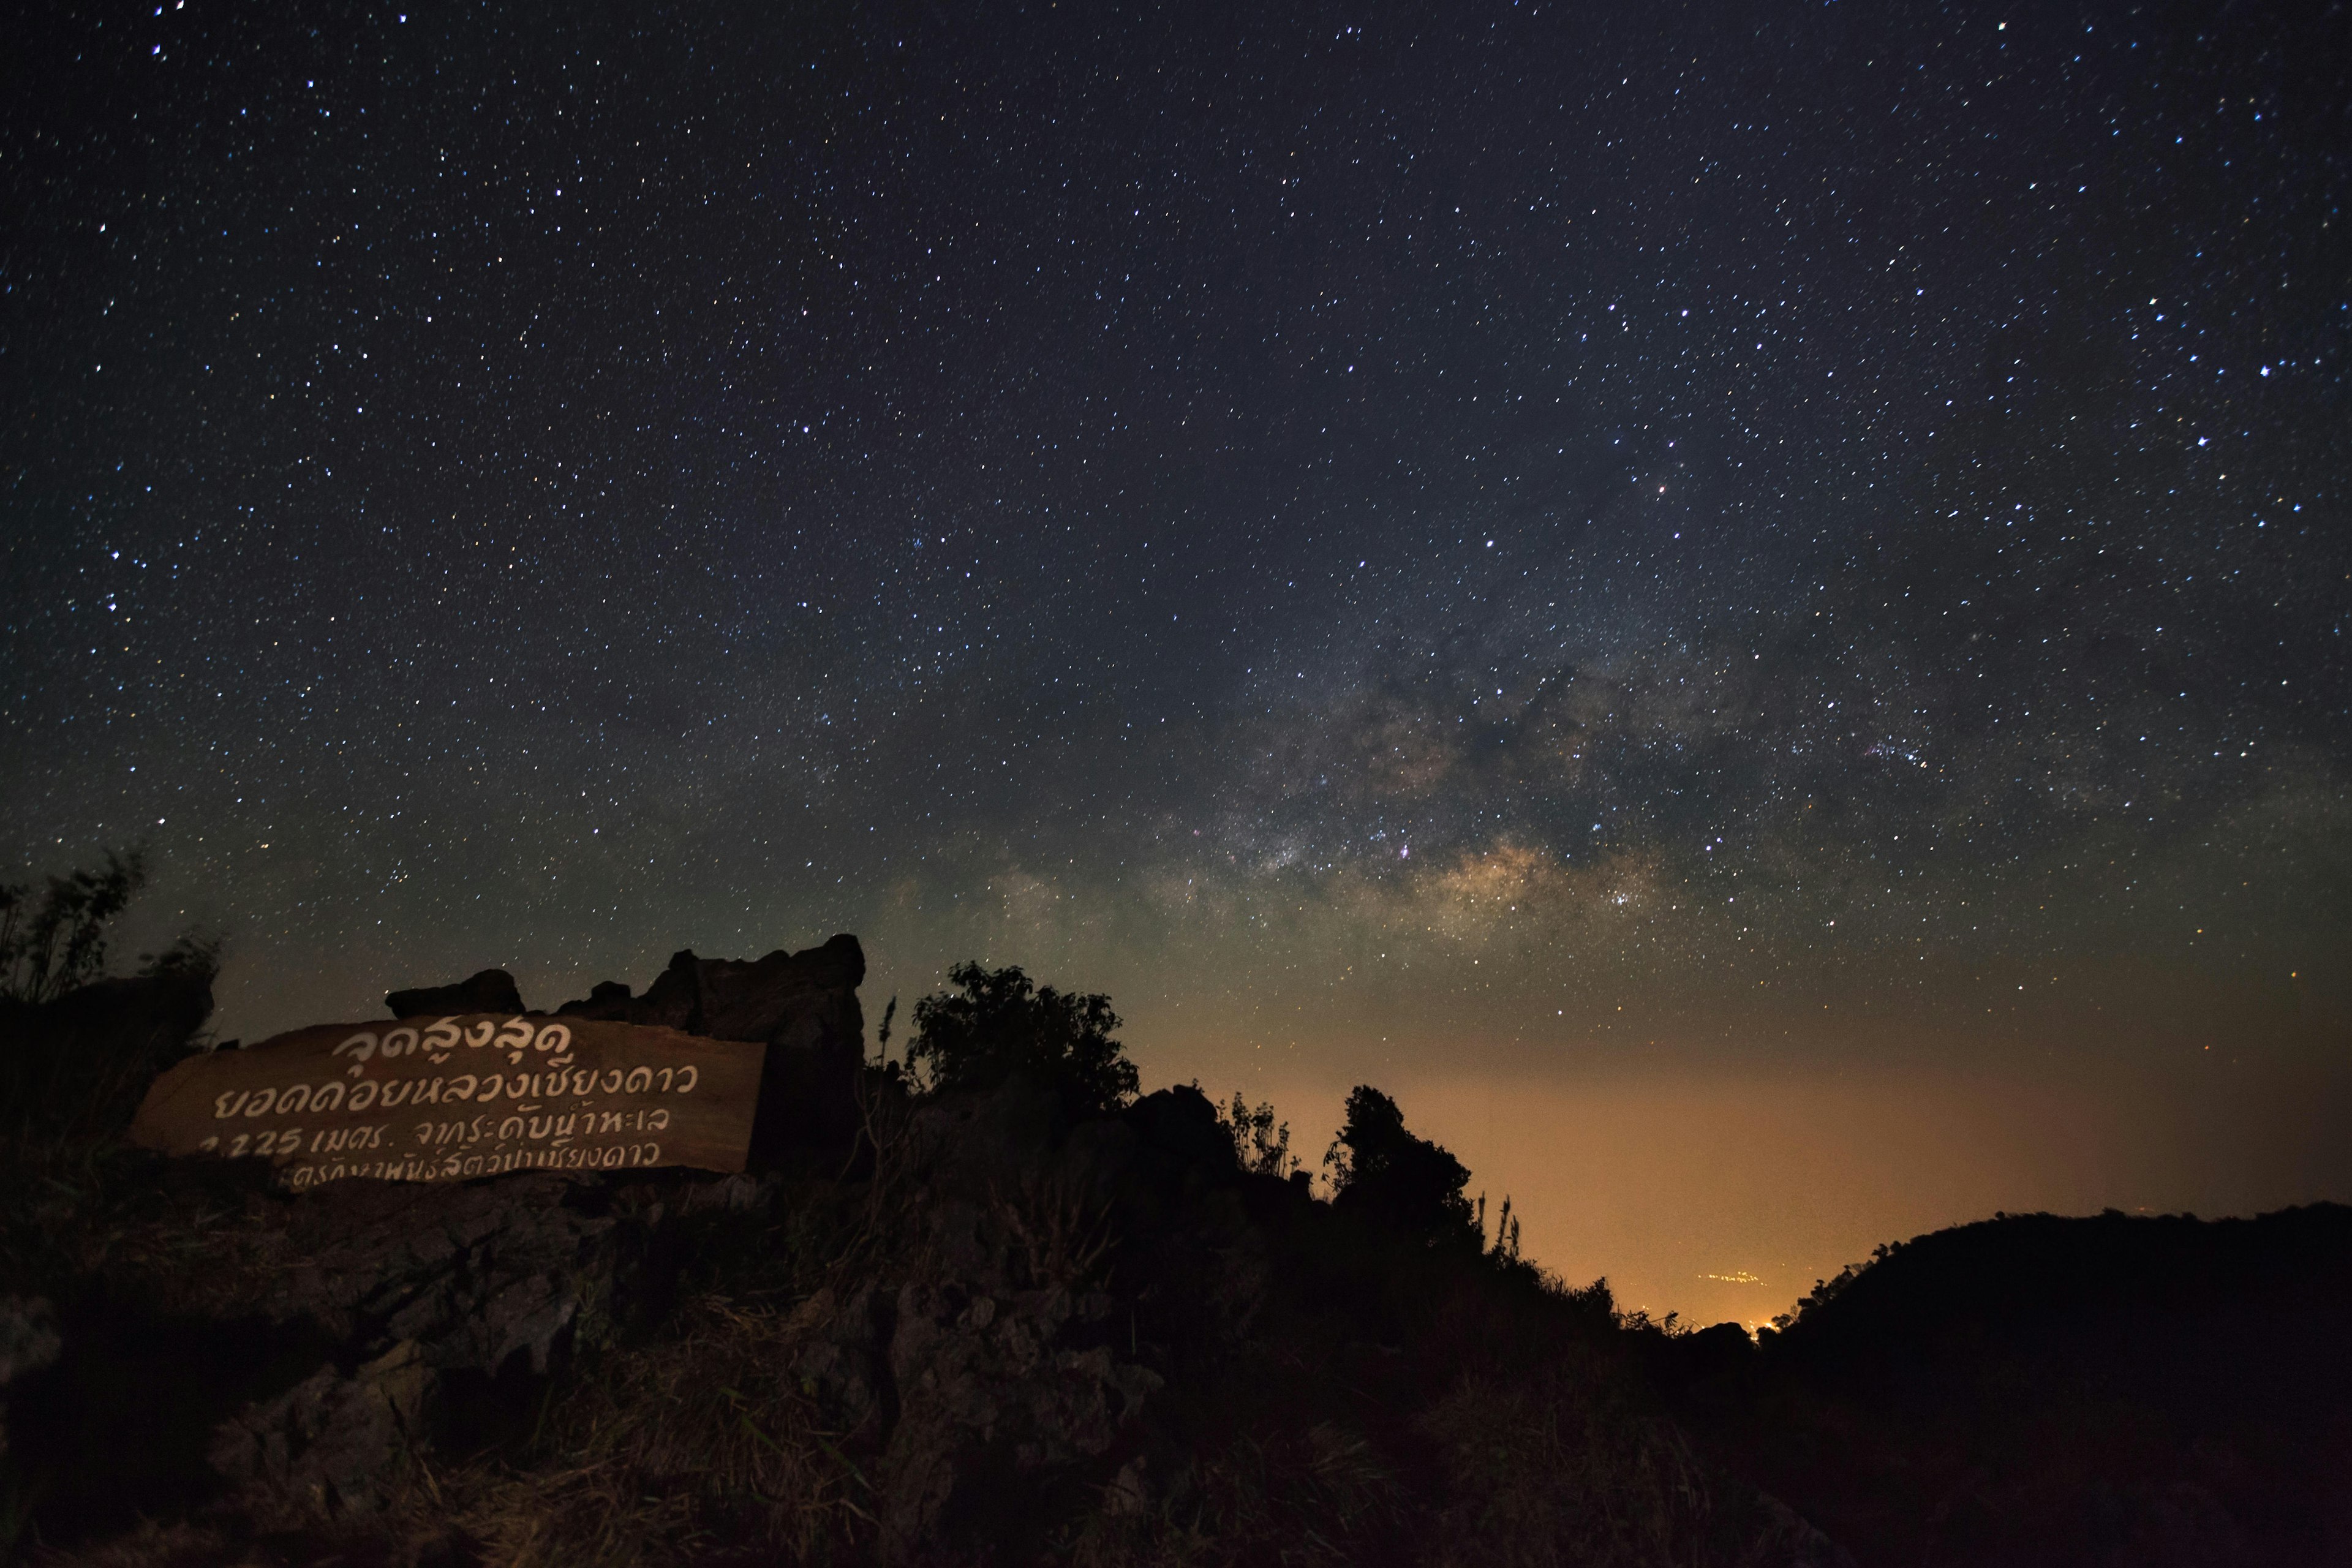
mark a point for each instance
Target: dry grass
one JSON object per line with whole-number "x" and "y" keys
{"x": 1058, "y": 1237}
{"x": 672, "y": 1452}
{"x": 1553, "y": 1469}
{"x": 705, "y": 1445}
{"x": 1324, "y": 1495}
{"x": 1569, "y": 1464}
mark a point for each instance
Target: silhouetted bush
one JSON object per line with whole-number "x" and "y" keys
{"x": 997, "y": 1022}
{"x": 48, "y": 948}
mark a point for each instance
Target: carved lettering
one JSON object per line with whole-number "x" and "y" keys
{"x": 629, "y": 1085}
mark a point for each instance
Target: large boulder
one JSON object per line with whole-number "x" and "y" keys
{"x": 803, "y": 1006}
{"x": 490, "y": 991}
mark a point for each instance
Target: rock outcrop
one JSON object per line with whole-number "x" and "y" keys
{"x": 488, "y": 991}
{"x": 803, "y": 1006}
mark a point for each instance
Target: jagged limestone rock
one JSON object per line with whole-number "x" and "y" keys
{"x": 332, "y": 1441}
{"x": 803, "y": 1006}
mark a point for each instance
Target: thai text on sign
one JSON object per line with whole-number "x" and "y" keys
{"x": 470, "y": 1095}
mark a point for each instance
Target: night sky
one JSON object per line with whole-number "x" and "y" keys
{"x": 1746, "y": 605}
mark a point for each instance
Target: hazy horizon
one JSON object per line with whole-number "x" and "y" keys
{"x": 1718, "y": 1175}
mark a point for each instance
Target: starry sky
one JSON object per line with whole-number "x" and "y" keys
{"x": 1743, "y": 605}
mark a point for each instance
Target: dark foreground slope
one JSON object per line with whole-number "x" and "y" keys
{"x": 2034, "y": 1390}
{"x": 997, "y": 1332}
{"x": 988, "y": 1328}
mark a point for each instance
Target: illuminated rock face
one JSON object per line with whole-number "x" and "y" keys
{"x": 803, "y": 1006}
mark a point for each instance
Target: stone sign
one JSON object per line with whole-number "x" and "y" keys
{"x": 439, "y": 1100}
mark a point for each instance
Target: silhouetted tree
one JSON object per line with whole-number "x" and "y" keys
{"x": 998, "y": 1022}
{"x": 48, "y": 948}
{"x": 1261, "y": 1143}
{"x": 1380, "y": 1169}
